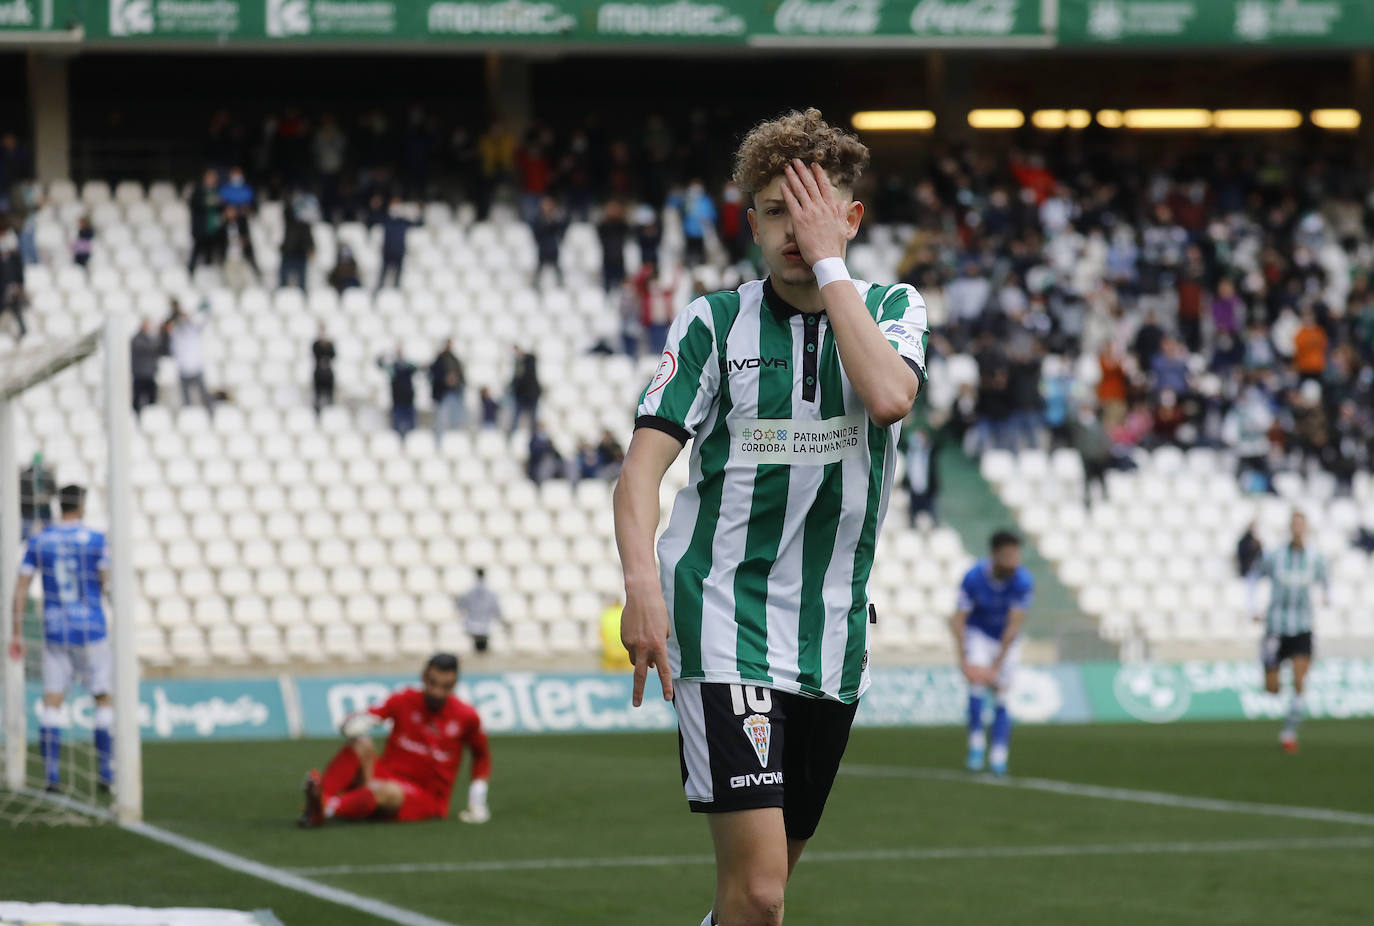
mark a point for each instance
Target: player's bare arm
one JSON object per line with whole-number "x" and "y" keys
{"x": 823, "y": 223}
{"x": 21, "y": 597}
{"x": 644, "y": 621}
{"x": 1015, "y": 618}
{"x": 956, "y": 625}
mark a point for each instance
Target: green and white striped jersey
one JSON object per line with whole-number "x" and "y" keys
{"x": 766, "y": 557}
{"x": 1292, "y": 573}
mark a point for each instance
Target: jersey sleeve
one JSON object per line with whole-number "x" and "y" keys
{"x": 966, "y": 593}
{"x": 687, "y": 380}
{"x": 902, "y": 320}
{"x": 29, "y": 564}
{"x": 475, "y": 738}
{"x": 1025, "y": 591}
{"x": 389, "y": 709}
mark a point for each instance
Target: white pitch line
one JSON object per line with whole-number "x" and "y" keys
{"x": 1130, "y": 795}
{"x": 291, "y": 881}
{"x": 864, "y": 855}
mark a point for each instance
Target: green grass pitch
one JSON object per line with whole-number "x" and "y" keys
{"x": 565, "y": 807}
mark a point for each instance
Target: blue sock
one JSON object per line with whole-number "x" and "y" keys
{"x": 50, "y": 744}
{"x": 975, "y": 717}
{"x": 1001, "y": 735}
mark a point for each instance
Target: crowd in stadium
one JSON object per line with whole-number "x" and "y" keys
{"x": 1108, "y": 300}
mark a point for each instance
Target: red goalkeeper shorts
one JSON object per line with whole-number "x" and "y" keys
{"x": 418, "y": 805}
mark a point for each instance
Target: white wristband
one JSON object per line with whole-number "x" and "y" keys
{"x": 477, "y": 793}
{"x": 829, "y": 270}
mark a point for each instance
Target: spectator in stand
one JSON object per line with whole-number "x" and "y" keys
{"x": 497, "y": 150}
{"x": 965, "y": 299}
{"x": 1228, "y": 311}
{"x": 1169, "y": 369}
{"x": 13, "y": 297}
{"x": 545, "y": 462}
{"x": 1249, "y": 551}
{"x": 85, "y": 237}
{"x": 585, "y": 462}
{"x": 490, "y": 408}
{"x": 448, "y": 384}
{"x": 344, "y": 276}
{"x": 648, "y": 234}
{"x": 698, "y": 215}
{"x": 36, "y": 485}
{"x": 1309, "y": 348}
{"x": 1245, "y": 429}
{"x": 297, "y": 248}
{"x": 1191, "y": 283}
{"x": 609, "y": 456}
{"x": 525, "y": 388}
{"x": 14, "y": 167}
{"x": 734, "y": 230}
{"x": 186, "y": 342}
{"x": 1169, "y": 418}
{"x": 323, "y": 380}
{"x": 613, "y": 231}
{"x": 631, "y": 317}
{"x": 207, "y": 222}
{"x": 548, "y": 227}
{"x": 401, "y": 372}
{"x": 145, "y": 351}
{"x": 657, "y": 299}
{"x": 1149, "y": 340}
{"x": 394, "y": 228}
{"x": 480, "y": 609}
{"x": 330, "y": 148}
{"x": 237, "y": 198}
{"x": 1094, "y": 449}
{"x": 922, "y": 476}
{"x": 1056, "y": 390}
{"x": 532, "y": 165}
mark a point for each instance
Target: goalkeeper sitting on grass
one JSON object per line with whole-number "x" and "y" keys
{"x": 413, "y": 779}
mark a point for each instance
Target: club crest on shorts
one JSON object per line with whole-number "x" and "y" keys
{"x": 759, "y": 729}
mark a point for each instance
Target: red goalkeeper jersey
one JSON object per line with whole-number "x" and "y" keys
{"x": 425, "y": 748}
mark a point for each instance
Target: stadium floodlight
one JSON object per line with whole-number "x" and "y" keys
{"x": 1256, "y": 120}
{"x": 1167, "y": 119}
{"x": 1053, "y": 119}
{"x": 996, "y": 118}
{"x": 31, "y": 380}
{"x": 894, "y": 120}
{"x": 1110, "y": 118}
{"x": 1342, "y": 120}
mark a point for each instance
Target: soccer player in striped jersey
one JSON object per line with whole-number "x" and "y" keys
{"x": 1292, "y": 570}
{"x": 73, "y": 565}
{"x": 791, "y": 391}
{"x": 994, "y": 597}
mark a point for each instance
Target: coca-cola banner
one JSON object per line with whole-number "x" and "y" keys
{"x": 897, "y": 22}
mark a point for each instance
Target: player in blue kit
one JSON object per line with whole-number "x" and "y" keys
{"x": 993, "y": 599}
{"x": 73, "y": 563}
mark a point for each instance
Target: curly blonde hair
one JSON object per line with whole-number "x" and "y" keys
{"x": 770, "y": 146}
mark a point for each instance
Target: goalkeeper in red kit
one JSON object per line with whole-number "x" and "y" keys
{"x": 413, "y": 778}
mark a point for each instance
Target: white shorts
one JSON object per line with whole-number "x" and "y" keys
{"x": 90, "y": 664}
{"x": 981, "y": 650}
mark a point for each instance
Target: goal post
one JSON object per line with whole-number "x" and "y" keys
{"x": 21, "y": 370}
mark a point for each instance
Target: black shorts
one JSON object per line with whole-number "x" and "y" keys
{"x": 743, "y": 747}
{"x": 1275, "y": 649}
{"x": 479, "y": 642}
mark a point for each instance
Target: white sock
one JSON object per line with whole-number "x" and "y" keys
{"x": 978, "y": 739}
{"x": 998, "y": 756}
{"x": 710, "y": 919}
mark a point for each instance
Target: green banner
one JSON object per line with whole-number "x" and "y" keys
{"x": 35, "y": 15}
{"x": 875, "y": 22}
{"x": 1217, "y": 22}
{"x": 1206, "y": 690}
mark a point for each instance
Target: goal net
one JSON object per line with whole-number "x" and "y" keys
{"x": 69, "y": 740}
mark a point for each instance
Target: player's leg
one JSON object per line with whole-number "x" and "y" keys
{"x": 416, "y": 803}
{"x": 94, "y": 668}
{"x": 1001, "y": 717}
{"x": 731, "y": 747}
{"x": 751, "y": 866}
{"x": 57, "y": 681}
{"x": 818, "y": 734}
{"x": 1269, "y": 659}
{"x": 1301, "y": 661}
{"x": 979, "y": 652}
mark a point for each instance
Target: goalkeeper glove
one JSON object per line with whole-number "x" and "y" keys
{"x": 477, "y": 811}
